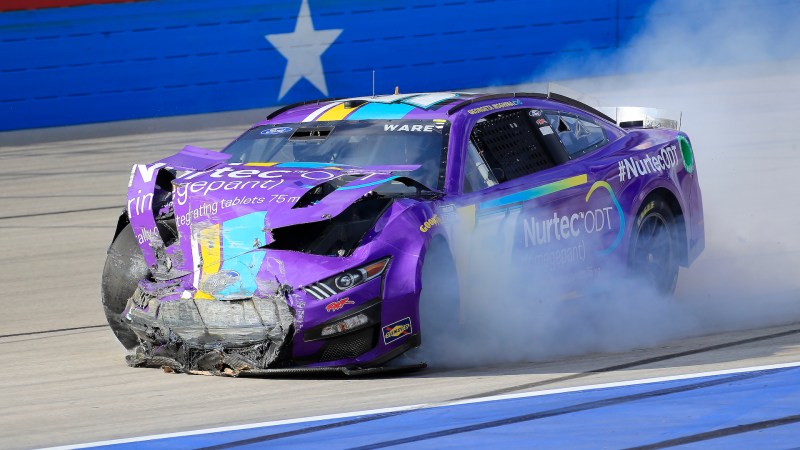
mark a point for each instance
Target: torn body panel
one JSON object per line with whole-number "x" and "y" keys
{"x": 190, "y": 334}
{"x": 229, "y": 263}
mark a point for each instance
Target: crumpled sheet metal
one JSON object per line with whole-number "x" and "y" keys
{"x": 208, "y": 336}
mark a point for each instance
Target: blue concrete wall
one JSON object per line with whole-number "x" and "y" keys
{"x": 99, "y": 63}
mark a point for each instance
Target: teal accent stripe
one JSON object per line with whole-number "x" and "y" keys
{"x": 371, "y": 183}
{"x": 621, "y": 213}
{"x": 375, "y": 111}
{"x": 306, "y": 165}
{"x": 238, "y": 237}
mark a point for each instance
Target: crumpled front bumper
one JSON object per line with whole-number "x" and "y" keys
{"x": 208, "y": 336}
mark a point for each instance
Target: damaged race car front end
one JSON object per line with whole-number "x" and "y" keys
{"x": 247, "y": 267}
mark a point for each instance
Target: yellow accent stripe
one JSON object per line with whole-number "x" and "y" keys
{"x": 536, "y": 192}
{"x": 467, "y": 216}
{"x": 210, "y": 250}
{"x": 338, "y": 112}
{"x": 261, "y": 164}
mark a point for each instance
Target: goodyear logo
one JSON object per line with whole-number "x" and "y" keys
{"x": 397, "y": 330}
{"x": 644, "y": 212}
{"x": 430, "y": 223}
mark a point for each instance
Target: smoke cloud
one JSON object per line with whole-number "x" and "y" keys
{"x": 732, "y": 71}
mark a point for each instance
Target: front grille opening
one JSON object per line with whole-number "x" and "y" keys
{"x": 333, "y": 237}
{"x": 350, "y": 346}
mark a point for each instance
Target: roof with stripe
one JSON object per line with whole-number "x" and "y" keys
{"x": 424, "y": 106}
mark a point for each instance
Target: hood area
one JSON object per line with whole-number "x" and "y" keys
{"x": 227, "y": 216}
{"x": 257, "y": 202}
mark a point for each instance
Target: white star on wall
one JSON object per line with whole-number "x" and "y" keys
{"x": 303, "y": 51}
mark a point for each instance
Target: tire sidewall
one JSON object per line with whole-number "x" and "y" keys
{"x": 655, "y": 209}
{"x": 123, "y": 269}
{"x": 439, "y": 300}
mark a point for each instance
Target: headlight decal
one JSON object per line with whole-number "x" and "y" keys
{"x": 363, "y": 316}
{"x": 348, "y": 279}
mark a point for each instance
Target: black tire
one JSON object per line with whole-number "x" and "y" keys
{"x": 439, "y": 301}
{"x": 654, "y": 254}
{"x": 125, "y": 266}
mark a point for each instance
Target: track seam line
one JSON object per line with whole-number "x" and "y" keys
{"x": 721, "y": 432}
{"x": 585, "y": 406}
{"x": 31, "y": 333}
{"x": 413, "y": 408}
{"x": 363, "y": 419}
{"x": 631, "y": 364}
{"x": 52, "y": 213}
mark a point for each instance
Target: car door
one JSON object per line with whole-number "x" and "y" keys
{"x": 525, "y": 202}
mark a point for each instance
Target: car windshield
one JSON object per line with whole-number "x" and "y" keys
{"x": 354, "y": 142}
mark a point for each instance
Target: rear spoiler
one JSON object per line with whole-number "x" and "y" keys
{"x": 636, "y": 117}
{"x": 624, "y": 116}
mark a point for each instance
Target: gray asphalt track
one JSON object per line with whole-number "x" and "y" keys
{"x": 64, "y": 379}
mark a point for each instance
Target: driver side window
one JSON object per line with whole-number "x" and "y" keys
{"x": 579, "y": 135}
{"x": 477, "y": 174}
{"x": 504, "y": 146}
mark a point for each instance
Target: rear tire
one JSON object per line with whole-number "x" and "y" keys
{"x": 654, "y": 253}
{"x": 124, "y": 267}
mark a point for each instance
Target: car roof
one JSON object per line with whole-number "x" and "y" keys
{"x": 416, "y": 106}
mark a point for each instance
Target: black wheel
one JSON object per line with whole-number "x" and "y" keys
{"x": 125, "y": 266}
{"x": 439, "y": 300}
{"x": 654, "y": 254}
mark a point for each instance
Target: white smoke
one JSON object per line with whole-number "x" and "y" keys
{"x": 734, "y": 74}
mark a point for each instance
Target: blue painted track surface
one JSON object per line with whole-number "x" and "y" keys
{"x": 759, "y": 409}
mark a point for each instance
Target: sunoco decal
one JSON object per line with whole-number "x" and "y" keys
{"x": 397, "y": 330}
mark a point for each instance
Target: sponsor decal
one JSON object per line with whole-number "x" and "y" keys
{"x": 234, "y": 179}
{"x": 495, "y": 106}
{"x": 397, "y": 330}
{"x": 557, "y": 228}
{"x": 143, "y": 175}
{"x": 534, "y": 113}
{"x": 546, "y": 130}
{"x": 412, "y": 128}
{"x": 572, "y": 226}
{"x": 338, "y": 304}
{"x": 148, "y": 235}
{"x": 566, "y": 255}
{"x": 430, "y": 223}
{"x": 687, "y": 154}
{"x": 211, "y": 209}
{"x": 276, "y": 130}
{"x": 541, "y": 122}
{"x": 665, "y": 159}
{"x": 283, "y": 198}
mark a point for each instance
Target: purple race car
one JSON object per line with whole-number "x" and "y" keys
{"x": 310, "y": 242}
